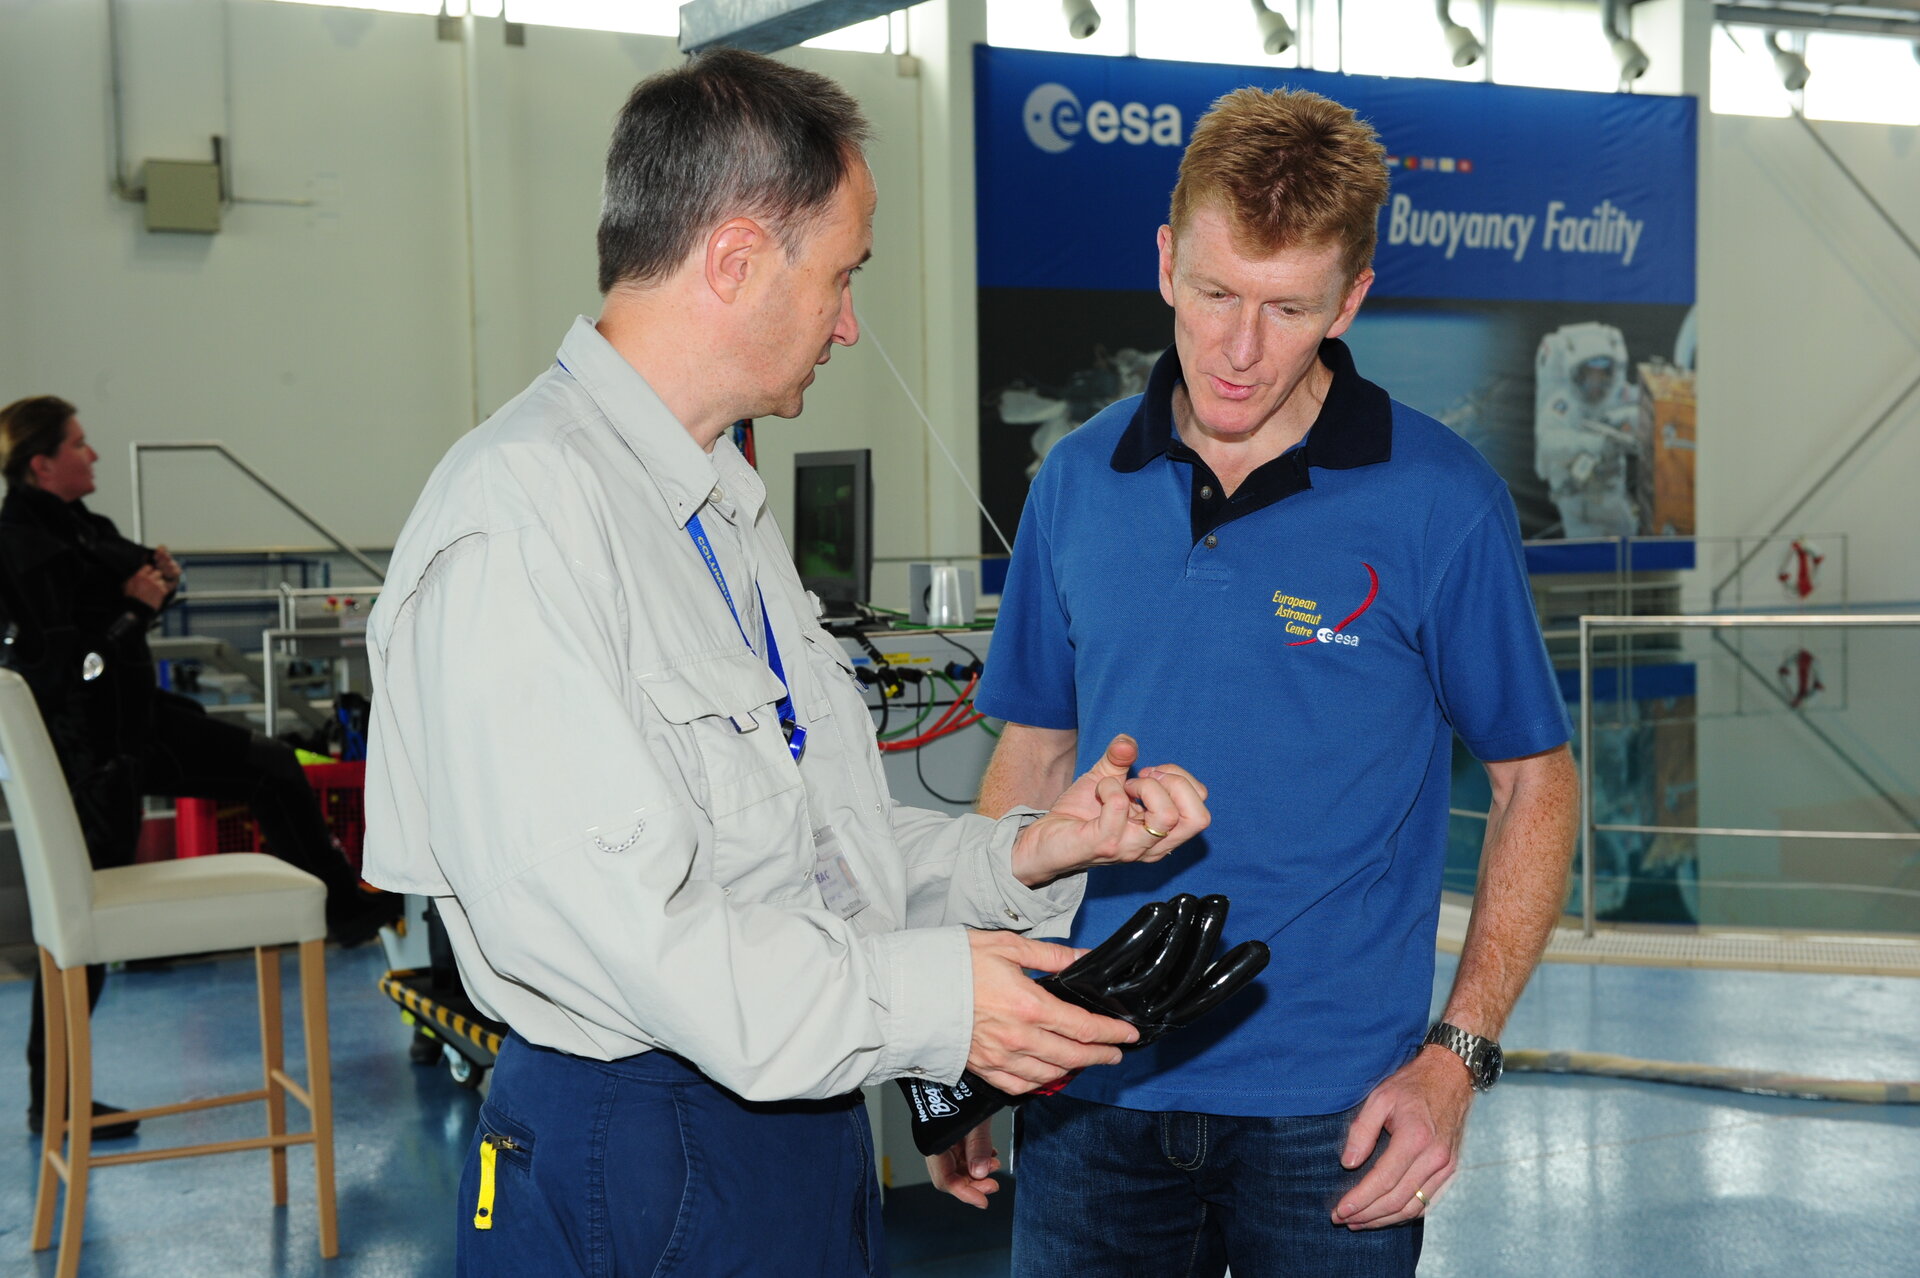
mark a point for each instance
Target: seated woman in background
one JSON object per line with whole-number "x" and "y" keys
{"x": 76, "y": 601}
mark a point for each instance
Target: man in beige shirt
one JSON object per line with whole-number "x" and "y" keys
{"x": 612, "y": 741}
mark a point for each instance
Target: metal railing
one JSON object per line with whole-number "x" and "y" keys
{"x": 1717, "y": 624}
{"x": 215, "y": 446}
{"x": 285, "y": 597}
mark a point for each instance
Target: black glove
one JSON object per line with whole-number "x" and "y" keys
{"x": 1157, "y": 973}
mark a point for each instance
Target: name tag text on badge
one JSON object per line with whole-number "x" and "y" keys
{"x": 831, "y": 873}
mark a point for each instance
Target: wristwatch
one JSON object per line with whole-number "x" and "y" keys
{"x": 1481, "y": 1055}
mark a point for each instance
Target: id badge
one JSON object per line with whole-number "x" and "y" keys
{"x": 838, "y": 887}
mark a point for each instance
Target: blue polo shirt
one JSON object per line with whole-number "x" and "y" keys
{"x": 1308, "y": 648}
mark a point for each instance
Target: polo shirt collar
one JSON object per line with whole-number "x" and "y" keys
{"x": 687, "y": 475}
{"x": 1354, "y": 426}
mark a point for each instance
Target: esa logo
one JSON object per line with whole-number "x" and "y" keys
{"x": 1303, "y": 616}
{"x": 1055, "y": 121}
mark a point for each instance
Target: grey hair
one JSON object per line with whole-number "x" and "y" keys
{"x": 729, "y": 134}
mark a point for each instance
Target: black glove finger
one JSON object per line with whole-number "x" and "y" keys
{"x": 1191, "y": 967}
{"x": 1233, "y": 971}
{"x": 1095, "y": 968}
{"x": 1136, "y": 988}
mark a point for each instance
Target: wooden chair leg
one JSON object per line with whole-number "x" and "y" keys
{"x": 79, "y": 1117}
{"x": 313, "y": 1009}
{"x": 273, "y": 1055}
{"x": 54, "y": 1100}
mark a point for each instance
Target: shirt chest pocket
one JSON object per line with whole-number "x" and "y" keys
{"x": 719, "y": 718}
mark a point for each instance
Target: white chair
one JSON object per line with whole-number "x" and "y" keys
{"x": 82, "y": 916}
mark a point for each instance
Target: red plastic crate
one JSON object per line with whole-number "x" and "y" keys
{"x": 203, "y": 827}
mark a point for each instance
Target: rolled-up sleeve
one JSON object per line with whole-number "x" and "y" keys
{"x": 568, "y": 840}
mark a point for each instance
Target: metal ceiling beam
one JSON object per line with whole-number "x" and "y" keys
{"x": 767, "y": 26}
{"x": 1902, "y": 23}
{"x": 1904, "y": 11}
{"x": 1896, "y": 5}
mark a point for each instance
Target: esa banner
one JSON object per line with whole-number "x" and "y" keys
{"x": 1534, "y": 274}
{"x": 1499, "y": 192}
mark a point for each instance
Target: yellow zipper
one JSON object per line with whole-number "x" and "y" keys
{"x": 489, "y": 1148}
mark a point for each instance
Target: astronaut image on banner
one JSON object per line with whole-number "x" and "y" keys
{"x": 1086, "y": 391}
{"x": 1585, "y": 409}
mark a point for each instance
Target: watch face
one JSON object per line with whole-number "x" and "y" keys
{"x": 1493, "y": 1063}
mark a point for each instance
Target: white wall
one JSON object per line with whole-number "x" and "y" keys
{"x": 314, "y": 340}
{"x": 340, "y": 348}
{"x": 1809, "y": 326}
{"x": 1851, "y": 761}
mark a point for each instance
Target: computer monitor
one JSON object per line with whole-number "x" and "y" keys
{"x": 833, "y": 527}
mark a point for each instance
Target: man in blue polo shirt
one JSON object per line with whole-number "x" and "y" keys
{"x": 1266, "y": 567}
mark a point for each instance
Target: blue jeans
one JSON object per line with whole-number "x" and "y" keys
{"x": 1135, "y": 1194}
{"x": 643, "y": 1166}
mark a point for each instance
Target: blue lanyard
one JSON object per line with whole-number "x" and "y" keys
{"x": 789, "y": 718}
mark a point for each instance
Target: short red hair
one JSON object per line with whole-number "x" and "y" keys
{"x": 1290, "y": 168}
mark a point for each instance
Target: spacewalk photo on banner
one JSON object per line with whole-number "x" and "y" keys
{"x": 1535, "y": 271}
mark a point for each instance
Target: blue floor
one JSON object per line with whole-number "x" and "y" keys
{"x": 1573, "y": 1177}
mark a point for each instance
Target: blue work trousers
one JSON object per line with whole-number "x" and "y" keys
{"x": 1105, "y": 1192}
{"x": 643, "y": 1166}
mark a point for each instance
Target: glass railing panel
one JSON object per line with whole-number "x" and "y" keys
{"x": 1673, "y": 574}
{"x": 1800, "y": 729}
{"x": 1787, "y": 732}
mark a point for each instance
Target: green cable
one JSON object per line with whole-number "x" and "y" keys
{"x": 953, "y": 690}
{"x": 908, "y": 730}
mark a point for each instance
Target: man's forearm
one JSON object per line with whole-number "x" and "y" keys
{"x": 1523, "y": 879}
{"x": 1030, "y": 767}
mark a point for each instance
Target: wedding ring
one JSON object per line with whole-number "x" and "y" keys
{"x": 1158, "y": 834}
{"x": 1422, "y": 1196}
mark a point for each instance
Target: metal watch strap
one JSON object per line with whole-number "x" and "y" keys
{"x": 1481, "y": 1056}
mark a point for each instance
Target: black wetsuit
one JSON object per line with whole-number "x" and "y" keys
{"x": 68, "y": 627}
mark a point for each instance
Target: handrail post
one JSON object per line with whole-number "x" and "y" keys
{"x": 1845, "y": 560}
{"x": 1586, "y": 782}
{"x": 269, "y": 682}
{"x": 139, "y": 499}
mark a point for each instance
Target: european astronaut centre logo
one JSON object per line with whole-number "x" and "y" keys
{"x": 1055, "y": 121}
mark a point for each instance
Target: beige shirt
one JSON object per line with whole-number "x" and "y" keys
{"x": 578, "y": 755}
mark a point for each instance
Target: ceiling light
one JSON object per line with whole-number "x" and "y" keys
{"x": 1082, "y": 18}
{"x": 1276, "y": 33}
{"x": 1631, "y": 57}
{"x": 1791, "y": 66}
{"x": 1461, "y": 44}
